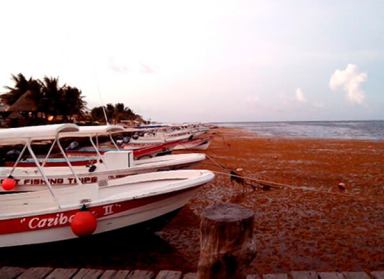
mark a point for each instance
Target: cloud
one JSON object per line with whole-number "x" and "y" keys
{"x": 300, "y": 96}
{"x": 116, "y": 66}
{"x": 146, "y": 69}
{"x": 120, "y": 65}
{"x": 349, "y": 80}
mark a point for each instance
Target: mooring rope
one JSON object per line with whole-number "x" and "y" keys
{"x": 233, "y": 175}
{"x": 216, "y": 163}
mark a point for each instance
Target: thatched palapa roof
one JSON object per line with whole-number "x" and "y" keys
{"x": 25, "y": 103}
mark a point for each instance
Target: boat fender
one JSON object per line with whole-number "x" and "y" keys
{"x": 84, "y": 222}
{"x": 92, "y": 168}
{"x": 9, "y": 183}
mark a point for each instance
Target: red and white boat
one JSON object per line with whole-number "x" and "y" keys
{"x": 60, "y": 171}
{"x": 140, "y": 150}
{"x": 39, "y": 217}
{"x": 167, "y": 134}
{"x": 68, "y": 212}
{"x": 193, "y": 144}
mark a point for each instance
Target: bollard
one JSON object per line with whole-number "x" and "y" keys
{"x": 226, "y": 242}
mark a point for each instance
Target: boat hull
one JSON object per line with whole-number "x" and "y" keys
{"x": 36, "y": 229}
{"x": 139, "y": 150}
{"x": 28, "y": 179}
{"x": 194, "y": 144}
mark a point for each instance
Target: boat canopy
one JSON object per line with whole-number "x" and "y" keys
{"x": 35, "y": 133}
{"x": 89, "y": 131}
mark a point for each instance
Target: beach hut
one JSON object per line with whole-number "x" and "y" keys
{"x": 26, "y": 103}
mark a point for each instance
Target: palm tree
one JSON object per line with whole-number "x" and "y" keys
{"x": 23, "y": 99}
{"x": 110, "y": 111}
{"x": 123, "y": 112}
{"x": 22, "y": 85}
{"x": 119, "y": 112}
{"x": 72, "y": 102}
{"x": 44, "y": 98}
{"x": 50, "y": 103}
{"x": 114, "y": 113}
{"x": 97, "y": 114}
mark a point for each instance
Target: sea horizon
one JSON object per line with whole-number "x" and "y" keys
{"x": 273, "y": 121}
{"x": 327, "y": 129}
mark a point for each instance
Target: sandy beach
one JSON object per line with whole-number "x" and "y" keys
{"x": 313, "y": 225}
{"x": 309, "y": 221}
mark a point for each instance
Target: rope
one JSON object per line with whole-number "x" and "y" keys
{"x": 242, "y": 180}
{"x": 216, "y": 163}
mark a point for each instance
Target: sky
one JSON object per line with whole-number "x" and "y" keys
{"x": 205, "y": 60}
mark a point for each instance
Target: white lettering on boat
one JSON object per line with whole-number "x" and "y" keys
{"x": 40, "y": 223}
{"x": 108, "y": 209}
{"x": 56, "y": 181}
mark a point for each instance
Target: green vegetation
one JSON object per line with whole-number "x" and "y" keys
{"x": 34, "y": 102}
{"x": 115, "y": 113}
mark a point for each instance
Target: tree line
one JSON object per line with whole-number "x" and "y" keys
{"x": 34, "y": 101}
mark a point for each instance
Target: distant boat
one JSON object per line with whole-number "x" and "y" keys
{"x": 193, "y": 144}
{"x": 107, "y": 165}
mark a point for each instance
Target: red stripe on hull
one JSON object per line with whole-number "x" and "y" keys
{"x": 62, "y": 219}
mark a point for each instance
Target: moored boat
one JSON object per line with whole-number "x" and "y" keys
{"x": 62, "y": 213}
{"x": 38, "y": 217}
{"x": 193, "y": 144}
{"x": 60, "y": 171}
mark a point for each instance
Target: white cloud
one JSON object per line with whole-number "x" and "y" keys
{"x": 300, "y": 96}
{"x": 349, "y": 80}
{"x": 117, "y": 67}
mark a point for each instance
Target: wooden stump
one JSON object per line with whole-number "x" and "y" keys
{"x": 226, "y": 241}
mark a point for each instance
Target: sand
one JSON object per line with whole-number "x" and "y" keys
{"x": 317, "y": 223}
{"x": 312, "y": 225}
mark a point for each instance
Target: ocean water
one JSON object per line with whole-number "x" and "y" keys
{"x": 362, "y": 130}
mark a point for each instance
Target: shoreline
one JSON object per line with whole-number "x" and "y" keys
{"x": 322, "y": 228}
{"x": 254, "y": 135}
{"x": 319, "y": 227}
{"x": 319, "y": 130}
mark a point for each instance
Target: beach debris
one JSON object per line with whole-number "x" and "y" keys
{"x": 236, "y": 177}
{"x": 341, "y": 186}
{"x": 265, "y": 187}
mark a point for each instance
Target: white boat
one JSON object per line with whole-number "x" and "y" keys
{"x": 53, "y": 214}
{"x": 193, "y": 144}
{"x": 111, "y": 164}
{"x": 143, "y": 150}
{"x": 168, "y": 134}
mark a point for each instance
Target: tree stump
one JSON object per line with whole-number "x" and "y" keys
{"x": 226, "y": 241}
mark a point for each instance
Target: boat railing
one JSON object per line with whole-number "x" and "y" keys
{"x": 22, "y": 136}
